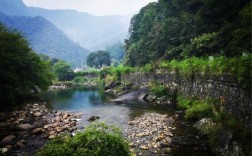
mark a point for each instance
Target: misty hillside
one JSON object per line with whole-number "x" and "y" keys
{"x": 45, "y": 38}
{"x": 91, "y": 32}
{"x": 13, "y": 8}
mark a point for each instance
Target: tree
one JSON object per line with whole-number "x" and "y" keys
{"x": 22, "y": 71}
{"x": 177, "y": 29}
{"x": 63, "y": 71}
{"x": 99, "y": 58}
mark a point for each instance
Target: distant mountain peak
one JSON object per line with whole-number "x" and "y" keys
{"x": 14, "y": 8}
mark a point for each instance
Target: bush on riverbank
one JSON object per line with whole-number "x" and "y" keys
{"x": 98, "y": 139}
{"x": 195, "y": 108}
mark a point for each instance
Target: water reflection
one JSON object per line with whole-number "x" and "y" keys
{"x": 74, "y": 99}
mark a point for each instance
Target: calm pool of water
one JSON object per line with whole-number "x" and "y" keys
{"x": 93, "y": 102}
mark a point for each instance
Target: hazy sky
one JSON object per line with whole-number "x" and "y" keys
{"x": 95, "y": 7}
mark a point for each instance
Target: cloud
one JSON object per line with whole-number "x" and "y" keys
{"x": 96, "y": 7}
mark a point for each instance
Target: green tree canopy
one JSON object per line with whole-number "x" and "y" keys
{"x": 63, "y": 71}
{"x": 22, "y": 71}
{"x": 99, "y": 58}
{"x": 177, "y": 29}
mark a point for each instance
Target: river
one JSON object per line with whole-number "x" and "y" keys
{"x": 93, "y": 102}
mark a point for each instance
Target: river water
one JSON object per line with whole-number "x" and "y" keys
{"x": 92, "y": 102}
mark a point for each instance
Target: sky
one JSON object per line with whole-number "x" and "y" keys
{"x": 95, "y": 7}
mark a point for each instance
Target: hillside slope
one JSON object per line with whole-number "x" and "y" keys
{"x": 47, "y": 39}
{"x": 178, "y": 29}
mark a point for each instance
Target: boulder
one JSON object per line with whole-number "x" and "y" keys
{"x": 8, "y": 139}
{"x": 25, "y": 126}
{"x": 37, "y": 131}
{"x": 57, "y": 119}
{"x": 51, "y": 136}
{"x": 93, "y": 118}
{"x": 66, "y": 115}
{"x": 204, "y": 123}
{"x": 37, "y": 114}
{"x": 110, "y": 85}
{"x": 148, "y": 98}
{"x": 222, "y": 143}
{"x": 50, "y": 133}
{"x": 110, "y": 92}
{"x": 133, "y": 96}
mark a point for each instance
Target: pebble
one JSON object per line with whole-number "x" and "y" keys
{"x": 8, "y": 139}
{"x": 25, "y": 126}
{"x": 37, "y": 131}
{"x": 37, "y": 114}
{"x": 35, "y": 121}
{"x": 150, "y": 132}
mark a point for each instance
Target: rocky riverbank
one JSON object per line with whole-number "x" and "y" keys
{"x": 28, "y": 129}
{"x": 161, "y": 134}
{"x": 151, "y": 134}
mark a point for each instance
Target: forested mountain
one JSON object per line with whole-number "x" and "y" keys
{"x": 177, "y": 29}
{"x": 47, "y": 39}
{"x": 91, "y": 32}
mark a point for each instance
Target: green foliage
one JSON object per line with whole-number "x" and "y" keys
{"x": 98, "y": 139}
{"x": 99, "y": 58}
{"x": 239, "y": 67}
{"x": 195, "y": 108}
{"x": 178, "y": 29}
{"x": 80, "y": 79}
{"x": 148, "y": 68}
{"x": 198, "y": 110}
{"x": 158, "y": 89}
{"x": 22, "y": 71}
{"x": 119, "y": 70}
{"x": 63, "y": 71}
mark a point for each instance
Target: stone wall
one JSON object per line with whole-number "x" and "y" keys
{"x": 232, "y": 97}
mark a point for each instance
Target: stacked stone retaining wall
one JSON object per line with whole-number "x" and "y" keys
{"x": 231, "y": 96}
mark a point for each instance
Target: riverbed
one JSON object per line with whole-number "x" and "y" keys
{"x": 182, "y": 136}
{"x": 94, "y": 103}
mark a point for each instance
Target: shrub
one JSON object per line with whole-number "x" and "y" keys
{"x": 158, "y": 89}
{"x": 198, "y": 110}
{"x": 98, "y": 139}
{"x": 195, "y": 107}
{"x": 79, "y": 79}
{"x": 239, "y": 67}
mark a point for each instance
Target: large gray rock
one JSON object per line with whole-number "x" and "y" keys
{"x": 8, "y": 139}
{"x": 25, "y": 126}
{"x": 222, "y": 143}
{"x": 235, "y": 149}
{"x": 204, "y": 124}
{"x": 134, "y": 96}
